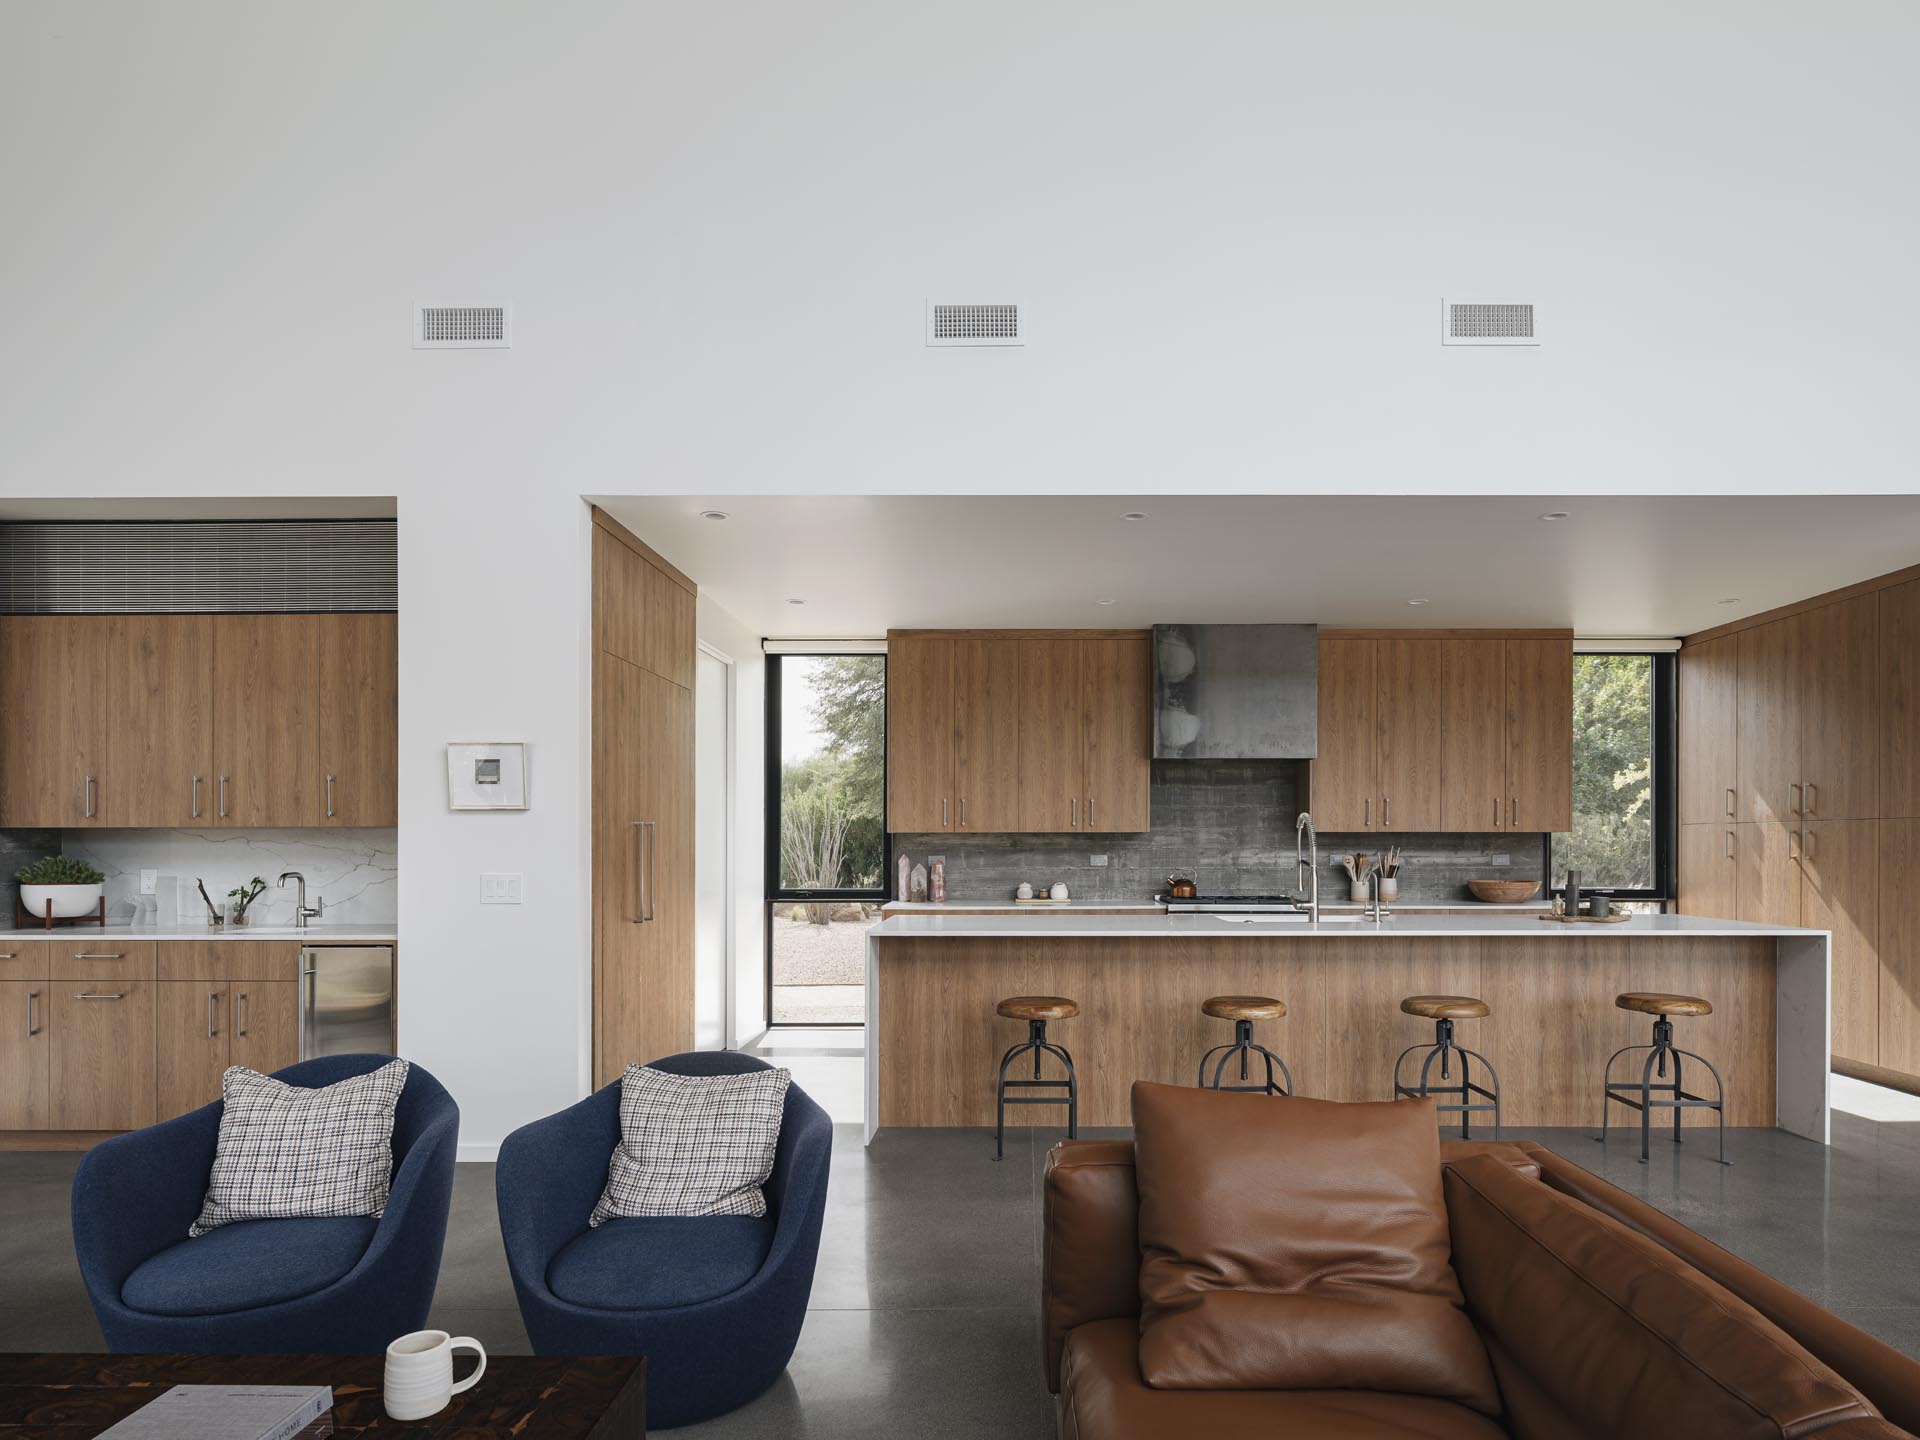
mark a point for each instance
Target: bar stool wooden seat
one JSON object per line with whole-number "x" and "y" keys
{"x": 1243, "y": 1010}
{"x": 1036, "y": 1010}
{"x": 1443, "y": 1010}
{"x": 1645, "y": 1096}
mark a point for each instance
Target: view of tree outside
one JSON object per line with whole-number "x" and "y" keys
{"x": 1611, "y": 842}
{"x": 833, "y": 727}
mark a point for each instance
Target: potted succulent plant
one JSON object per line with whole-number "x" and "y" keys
{"x": 73, "y": 886}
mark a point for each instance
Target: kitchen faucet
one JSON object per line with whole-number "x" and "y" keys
{"x": 301, "y": 914}
{"x": 1304, "y": 827}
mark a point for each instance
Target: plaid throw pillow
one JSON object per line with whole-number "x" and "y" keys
{"x": 693, "y": 1144}
{"x": 286, "y": 1151}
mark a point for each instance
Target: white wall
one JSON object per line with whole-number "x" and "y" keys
{"x": 741, "y": 645}
{"x": 717, "y": 223}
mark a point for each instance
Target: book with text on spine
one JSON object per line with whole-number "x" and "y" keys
{"x": 226, "y": 1412}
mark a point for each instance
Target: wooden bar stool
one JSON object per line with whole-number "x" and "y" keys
{"x": 1663, "y": 1008}
{"x": 1443, "y": 1010}
{"x": 1243, "y": 1010}
{"x": 1036, "y": 1010}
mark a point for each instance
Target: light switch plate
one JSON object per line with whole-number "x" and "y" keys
{"x": 500, "y": 889}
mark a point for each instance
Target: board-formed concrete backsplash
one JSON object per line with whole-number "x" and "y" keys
{"x": 1230, "y": 825}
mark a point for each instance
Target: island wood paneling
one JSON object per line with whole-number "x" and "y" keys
{"x": 1554, "y": 1022}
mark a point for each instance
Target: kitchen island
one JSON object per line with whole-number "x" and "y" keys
{"x": 933, "y": 1039}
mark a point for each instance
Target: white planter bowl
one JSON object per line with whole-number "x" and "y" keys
{"x": 69, "y": 901}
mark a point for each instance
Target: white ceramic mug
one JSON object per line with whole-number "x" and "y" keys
{"x": 419, "y": 1378}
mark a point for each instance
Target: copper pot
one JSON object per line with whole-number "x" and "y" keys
{"x": 1182, "y": 887}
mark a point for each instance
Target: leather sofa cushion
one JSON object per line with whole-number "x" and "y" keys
{"x": 656, "y": 1262}
{"x": 1615, "y": 1335}
{"x": 1090, "y": 1261}
{"x": 1104, "y": 1398}
{"x": 1292, "y": 1244}
{"x": 248, "y": 1264}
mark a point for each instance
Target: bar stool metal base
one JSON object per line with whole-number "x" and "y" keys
{"x": 1643, "y": 1095}
{"x": 1443, "y": 1049}
{"x": 1038, "y": 1043}
{"x": 1243, "y": 1046}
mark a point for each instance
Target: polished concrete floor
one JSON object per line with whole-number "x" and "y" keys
{"x": 924, "y": 1316}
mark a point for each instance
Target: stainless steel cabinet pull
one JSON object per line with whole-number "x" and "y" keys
{"x": 1806, "y": 844}
{"x": 1793, "y": 845}
{"x": 8, "y": 955}
{"x": 1089, "y": 812}
{"x": 943, "y": 811}
{"x": 1730, "y": 800}
{"x": 213, "y": 999}
{"x": 1793, "y": 804}
{"x": 101, "y": 995}
{"x": 86, "y": 798}
{"x": 196, "y": 797}
{"x": 963, "y": 812}
{"x": 329, "y": 797}
{"x": 1386, "y": 812}
{"x": 223, "y": 797}
{"x": 1496, "y": 812}
{"x": 1729, "y": 845}
{"x": 240, "y": 1014}
{"x": 640, "y": 870}
{"x": 102, "y": 955}
{"x": 1513, "y": 812}
{"x": 1813, "y": 798}
{"x": 1369, "y": 815}
{"x": 653, "y": 847}
{"x": 1073, "y": 811}
{"x": 32, "y": 1029}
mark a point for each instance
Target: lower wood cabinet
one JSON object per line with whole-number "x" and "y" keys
{"x": 23, "y": 1054}
{"x": 202, "y": 1027}
{"x": 100, "y": 1054}
{"x": 265, "y": 1024}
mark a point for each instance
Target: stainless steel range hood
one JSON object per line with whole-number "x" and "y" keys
{"x": 1236, "y": 692}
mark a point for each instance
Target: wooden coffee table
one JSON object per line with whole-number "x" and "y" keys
{"x": 521, "y": 1397}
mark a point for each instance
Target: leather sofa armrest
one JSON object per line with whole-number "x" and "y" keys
{"x": 1090, "y": 1257}
{"x": 1519, "y": 1155}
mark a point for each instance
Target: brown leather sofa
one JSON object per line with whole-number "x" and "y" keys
{"x": 1602, "y": 1317}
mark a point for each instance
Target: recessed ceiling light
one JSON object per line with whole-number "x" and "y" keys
{"x": 1103, "y": 602}
{"x": 1731, "y": 600}
{"x": 1136, "y": 515}
{"x": 713, "y": 515}
{"x": 795, "y": 600}
{"x": 1556, "y": 515}
{"x": 1422, "y": 601}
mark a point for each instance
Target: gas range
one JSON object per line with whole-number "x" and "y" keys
{"x": 1227, "y": 904}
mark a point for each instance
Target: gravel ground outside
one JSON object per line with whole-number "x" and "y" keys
{"x": 820, "y": 971}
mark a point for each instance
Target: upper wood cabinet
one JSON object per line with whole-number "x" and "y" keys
{"x": 1709, "y": 875}
{"x": 1019, "y": 731}
{"x": 1424, "y": 732}
{"x": 1709, "y": 708}
{"x": 1899, "y": 700}
{"x": 182, "y": 720}
{"x": 1539, "y": 734}
{"x": 643, "y": 608}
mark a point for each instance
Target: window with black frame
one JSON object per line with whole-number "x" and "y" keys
{"x": 827, "y": 846}
{"x": 1623, "y": 780}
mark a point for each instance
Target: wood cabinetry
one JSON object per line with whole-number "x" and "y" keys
{"x": 1840, "y": 892}
{"x": 1019, "y": 731}
{"x": 1898, "y": 742}
{"x": 100, "y": 1054}
{"x": 643, "y": 840}
{"x": 265, "y": 1024}
{"x": 23, "y": 1054}
{"x": 179, "y": 720}
{"x": 191, "y": 1043}
{"x": 1708, "y": 712}
{"x": 1709, "y": 874}
{"x": 1767, "y": 730}
{"x": 1444, "y": 732}
{"x": 1899, "y": 950}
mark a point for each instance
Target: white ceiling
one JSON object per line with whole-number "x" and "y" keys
{"x": 1644, "y": 566}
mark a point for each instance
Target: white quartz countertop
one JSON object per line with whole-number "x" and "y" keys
{"x": 312, "y": 935}
{"x": 1350, "y": 925}
{"x": 1008, "y": 907}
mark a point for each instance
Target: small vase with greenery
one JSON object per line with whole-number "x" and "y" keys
{"x": 241, "y": 897}
{"x": 70, "y": 886}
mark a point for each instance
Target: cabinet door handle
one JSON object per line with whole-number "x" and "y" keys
{"x": 240, "y": 1014}
{"x": 32, "y": 1029}
{"x": 100, "y": 955}
{"x": 1793, "y": 801}
{"x": 86, "y": 798}
{"x": 223, "y": 797}
{"x": 1730, "y": 802}
{"x": 963, "y": 812}
{"x": 1729, "y": 854}
{"x": 1813, "y": 798}
{"x": 196, "y": 798}
{"x": 1793, "y": 845}
{"x": 1513, "y": 812}
{"x": 640, "y": 828}
{"x": 1386, "y": 812}
{"x": 1073, "y": 812}
{"x": 1368, "y": 820}
{"x": 213, "y": 1026}
{"x": 1806, "y": 845}
{"x": 1496, "y": 812}
{"x": 101, "y": 995}
{"x": 945, "y": 823}
{"x": 329, "y": 797}
{"x": 653, "y": 848}
{"x": 1089, "y": 812}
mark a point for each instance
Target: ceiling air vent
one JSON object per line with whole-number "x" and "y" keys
{"x": 461, "y": 327}
{"x": 975, "y": 324}
{"x": 1481, "y": 322}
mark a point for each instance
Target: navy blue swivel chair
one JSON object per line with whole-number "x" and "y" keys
{"x": 327, "y": 1286}
{"x": 714, "y": 1303}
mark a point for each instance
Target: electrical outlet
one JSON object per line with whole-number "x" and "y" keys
{"x": 500, "y": 889}
{"x": 149, "y": 881}
{"x": 1096, "y": 860}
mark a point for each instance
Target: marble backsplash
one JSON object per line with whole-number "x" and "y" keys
{"x": 1230, "y": 824}
{"x": 355, "y": 872}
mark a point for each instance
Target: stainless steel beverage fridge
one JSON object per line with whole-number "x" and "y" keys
{"x": 346, "y": 1000}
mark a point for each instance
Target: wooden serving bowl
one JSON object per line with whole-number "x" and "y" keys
{"x": 1504, "y": 892}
